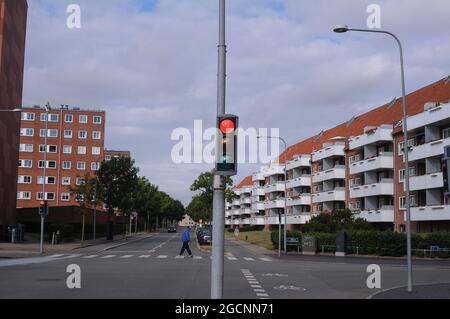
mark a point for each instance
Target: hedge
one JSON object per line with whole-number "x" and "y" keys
{"x": 371, "y": 242}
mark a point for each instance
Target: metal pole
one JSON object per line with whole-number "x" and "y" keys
{"x": 95, "y": 212}
{"x": 406, "y": 156}
{"x": 279, "y": 233}
{"x": 41, "y": 246}
{"x": 219, "y": 181}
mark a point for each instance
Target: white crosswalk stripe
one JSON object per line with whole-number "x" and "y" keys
{"x": 56, "y": 255}
{"x": 198, "y": 257}
{"x": 266, "y": 259}
{"x": 73, "y": 256}
{"x": 90, "y": 256}
{"x": 162, "y": 256}
{"x": 108, "y": 256}
{"x": 126, "y": 256}
{"x": 179, "y": 257}
{"x": 144, "y": 256}
{"x": 262, "y": 295}
{"x": 231, "y": 258}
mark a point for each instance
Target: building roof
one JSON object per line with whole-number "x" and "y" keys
{"x": 247, "y": 181}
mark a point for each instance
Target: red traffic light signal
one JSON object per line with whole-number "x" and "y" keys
{"x": 227, "y": 126}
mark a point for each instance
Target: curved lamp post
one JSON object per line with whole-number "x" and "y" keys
{"x": 342, "y": 29}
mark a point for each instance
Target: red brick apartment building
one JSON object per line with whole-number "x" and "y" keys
{"x": 109, "y": 154}
{"x": 359, "y": 165}
{"x": 13, "y": 21}
{"x": 75, "y": 147}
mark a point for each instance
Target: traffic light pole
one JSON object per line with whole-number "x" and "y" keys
{"x": 41, "y": 246}
{"x": 219, "y": 181}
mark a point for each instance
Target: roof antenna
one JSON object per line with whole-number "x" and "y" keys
{"x": 447, "y": 80}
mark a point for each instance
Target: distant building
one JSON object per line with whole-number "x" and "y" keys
{"x": 13, "y": 22}
{"x": 187, "y": 221}
{"x": 109, "y": 154}
{"x": 75, "y": 146}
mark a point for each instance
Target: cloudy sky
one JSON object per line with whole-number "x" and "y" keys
{"x": 152, "y": 66}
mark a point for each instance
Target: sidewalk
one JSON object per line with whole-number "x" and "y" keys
{"x": 428, "y": 291}
{"x": 23, "y": 250}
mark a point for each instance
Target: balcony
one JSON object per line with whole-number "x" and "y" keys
{"x": 256, "y": 207}
{"x": 301, "y": 200}
{"x": 335, "y": 173}
{"x": 338, "y": 194}
{"x": 382, "y": 215}
{"x": 381, "y": 134}
{"x": 428, "y": 181}
{"x": 257, "y": 177}
{"x": 299, "y": 161}
{"x": 236, "y": 202}
{"x": 384, "y": 161}
{"x": 430, "y": 116}
{"x": 430, "y": 149}
{"x": 384, "y": 187}
{"x": 246, "y": 200}
{"x": 277, "y": 187}
{"x": 258, "y": 191}
{"x": 330, "y": 151}
{"x": 236, "y": 212}
{"x": 246, "y": 190}
{"x": 273, "y": 170}
{"x": 304, "y": 180}
{"x": 430, "y": 213}
{"x": 277, "y": 203}
{"x": 245, "y": 211}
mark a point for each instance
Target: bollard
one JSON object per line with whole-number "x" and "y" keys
{"x": 13, "y": 236}
{"x": 53, "y": 238}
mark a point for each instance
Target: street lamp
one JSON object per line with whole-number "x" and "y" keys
{"x": 342, "y": 29}
{"x": 285, "y": 196}
{"x": 13, "y": 110}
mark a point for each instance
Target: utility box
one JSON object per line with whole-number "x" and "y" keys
{"x": 341, "y": 243}
{"x": 309, "y": 245}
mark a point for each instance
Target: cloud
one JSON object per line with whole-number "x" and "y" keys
{"x": 152, "y": 66}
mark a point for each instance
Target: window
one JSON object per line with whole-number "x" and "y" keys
{"x": 446, "y": 133}
{"x": 97, "y": 120}
{"x": 79, "y": 181}
{"x": 82, "y": 135}
{"x": 26, "y": 163}
{"x": 67, "y": 149}
{"x": 412, "y": 201}
{"x": 50, "y": 148}
{"x": 95, "y": 166}
{"x": 95, "y": 150}
{"x": 24, "y": 179}
{"x": 26, "y": 132}
{"x": 401, "y": 174}
{"x": 51, "y": 117}
{"x": 96, "y": 135}
{"x": 51, "y": 133}
{"x": 26, "y": 148}
{"x": 26, "y": 116}
{"x": 83, "y": 119}
{"x": 411, "y": 143}
{"x": 355, "y": 205}
{"x": 66, "y": 181}
{"x": 81, "y": 150}
{"x": 107, "y": 157}
{"x": 68, "y": 118}
{"x": 50, "y": 196}
{"x": 65, "y": 197}
{"x": 67, "y": 165}
{"x": 50, "y": 164}
{"x": 81, "y": 166}
{"x": 39, "y": 196}
{"x": 68, "y": 134}
{"x": 24, "y": 195}
{"x": 50, "y": 180}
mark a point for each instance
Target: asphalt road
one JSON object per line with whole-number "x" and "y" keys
{"x": 149, "y": 268}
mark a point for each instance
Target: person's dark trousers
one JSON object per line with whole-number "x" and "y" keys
{"x": 185, "y": 247}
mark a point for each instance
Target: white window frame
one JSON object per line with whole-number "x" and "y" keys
{"x": 82, "y": 117}
{"x": 67, "y": 149}
{"x": 97, "y": 166}
{"x": 65, "y": 197}
{"x": 67, "y": 135}
{"x": 65, "y": 181}
{"x": 27, "y": 131}
{"x": 83, "y": 164}
{"x": 25, "y": 116}
{"x": 49, "y": 133}
{"x": 21, "y": 195}
{"x": 85, "y": 135}
{"x": 39, "y": 196}
{"x": 402, "y": 203}
{"x": 79, "y": 181}
{"x": 26, "y": 148}
{"x": 97, "y": 149}
{"x": 67, "y": 168}
{"x": 66, "y": 116}
{"x": 94, "y": 133}
{"x": 43, "y": 116}
{"x": 81, "y": 150}
{"x": 42, "y": 148}
{"x": 21, "y": 179}
{"x": 22, "y": 162}
{"x": 97, "y": 117}
{"x": 47, "y": 196}
{"x": 401, "y": 173}
{"x": 40, "y": 180}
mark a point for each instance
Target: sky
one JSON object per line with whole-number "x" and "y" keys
{"x": 152, "y": 66}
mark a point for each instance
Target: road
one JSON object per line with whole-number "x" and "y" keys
{"x": 148, "y": 268}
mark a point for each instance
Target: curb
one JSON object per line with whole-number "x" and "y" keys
{"x": 398, "y": 287}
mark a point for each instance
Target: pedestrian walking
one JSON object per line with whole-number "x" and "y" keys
{"x": 186, "y": 238}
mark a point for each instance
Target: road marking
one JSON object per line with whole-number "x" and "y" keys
{"x": 162, "y": 256}
{"x": 231, "y": 258}
{"x": 266, "y": 259}
{"x": 249, "y": 258}
{"x": 179, "y": 257}
{"x": 90, "y": 257}
{"x": 73, "y": 256}
{"x": 256, "y": 286}
{"x": 259, "y": 290}
{"x": 144, "y": 256}
{"x": 198, "y": 257}
{"x": 126, "y": 256}
{"x": 108, "y": 256}
{"x": 262, "y": 295}
{"x": 56, "y": 255}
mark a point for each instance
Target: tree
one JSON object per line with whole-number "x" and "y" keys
{"x": 147, "y": 199}
{"x": 204, "y": 186}
{"x": 198, "y": 208}
{"x": 88, "y": 195}
{"x": 119, "y": 181}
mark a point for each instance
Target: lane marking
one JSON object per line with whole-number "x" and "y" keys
{"x": 144, "y": 256}
{"x": 162, "y": 256}
{"x": 56, "y": 255}
{"x": 90, "y": 256}
{"x": 256, "y": 286}
{"x": 126, "y": 256}
{"x": 259, "y": 290}
{"x": 73, "y": 256}
{"x": 179, "y": 257}
{"x": 198, "y": 257}
{"x": 231, "y": 258}
{"x": 262, "y": 295}
{"x": 266, "y": 259}
{"x": 108, "y": 256}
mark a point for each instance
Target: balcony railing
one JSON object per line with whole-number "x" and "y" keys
{"x": 304, "y": 180}
{"x": 338, "y": 172}
{"x": 429, "y": 181}
{"x": 430, "y": 149}
{"x": 430, "y": 213}
{"x": 301, "y": 200}
{"x": 329, "y": 151}
{"x": 277, "y": 187}
{"x": 277, "y": 203}
{"x": 383, "y": 215}
{"x": 299, "y": 161}
{"x": 430, "y": 116}
{"x": 381, "y": 134}
{"x": 384, "y": 187}
{"x": 338, "y": 194}
{"x": 384, "y": 161}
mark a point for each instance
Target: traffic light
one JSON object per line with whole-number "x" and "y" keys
{"x": 43, "y": 208}
{"x": 226, "y": 157}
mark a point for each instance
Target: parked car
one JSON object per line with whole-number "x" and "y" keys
{"x": 204, "y": 237}
{"x": 172, "y": 229}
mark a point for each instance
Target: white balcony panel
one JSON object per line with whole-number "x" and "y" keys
{"x": 377, "y": 216}
{"x": 430, "y": 213}
{"x": 299, "y": 161}
{"x": 256, "y": 207}
{"x": 385, "y": 161}
{"x": 431, "y": 116}
{"x": 299, "y": 181}
{"x": 246, "y": 200}
{"x": 381, "y": 134}
{"x": 246, "y": 190}
{"x": 302, "y": 200}
{"x": 431, "y": 149}
{"x": 299, "y": 219}
{"x": 228, "y": 222}
{"x": 258, "y": 191}
{"x": 273, "y": 170}
{"x": 330, "y": 196}
{"x": 428, "y": 181}
{"x": 246, "y": 211}
{"x": 278, "y": 203}
{"x": 236, "y": 202}
{"x": 386, "y": 187}
{"x": 257, "y": 177}
{"x": 334, "y": 173}
{"x": 277, "y": 187}
{"x": 333, "y": 150}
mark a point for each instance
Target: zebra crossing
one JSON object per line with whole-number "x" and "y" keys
{"x": 228, "y": 256}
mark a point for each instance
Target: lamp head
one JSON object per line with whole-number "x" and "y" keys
{"x": 341, "y": 28}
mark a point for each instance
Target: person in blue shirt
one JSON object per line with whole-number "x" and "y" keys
{"x": 186, "y": 238}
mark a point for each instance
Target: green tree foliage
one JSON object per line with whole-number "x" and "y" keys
{"x": 338, "y": 220}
